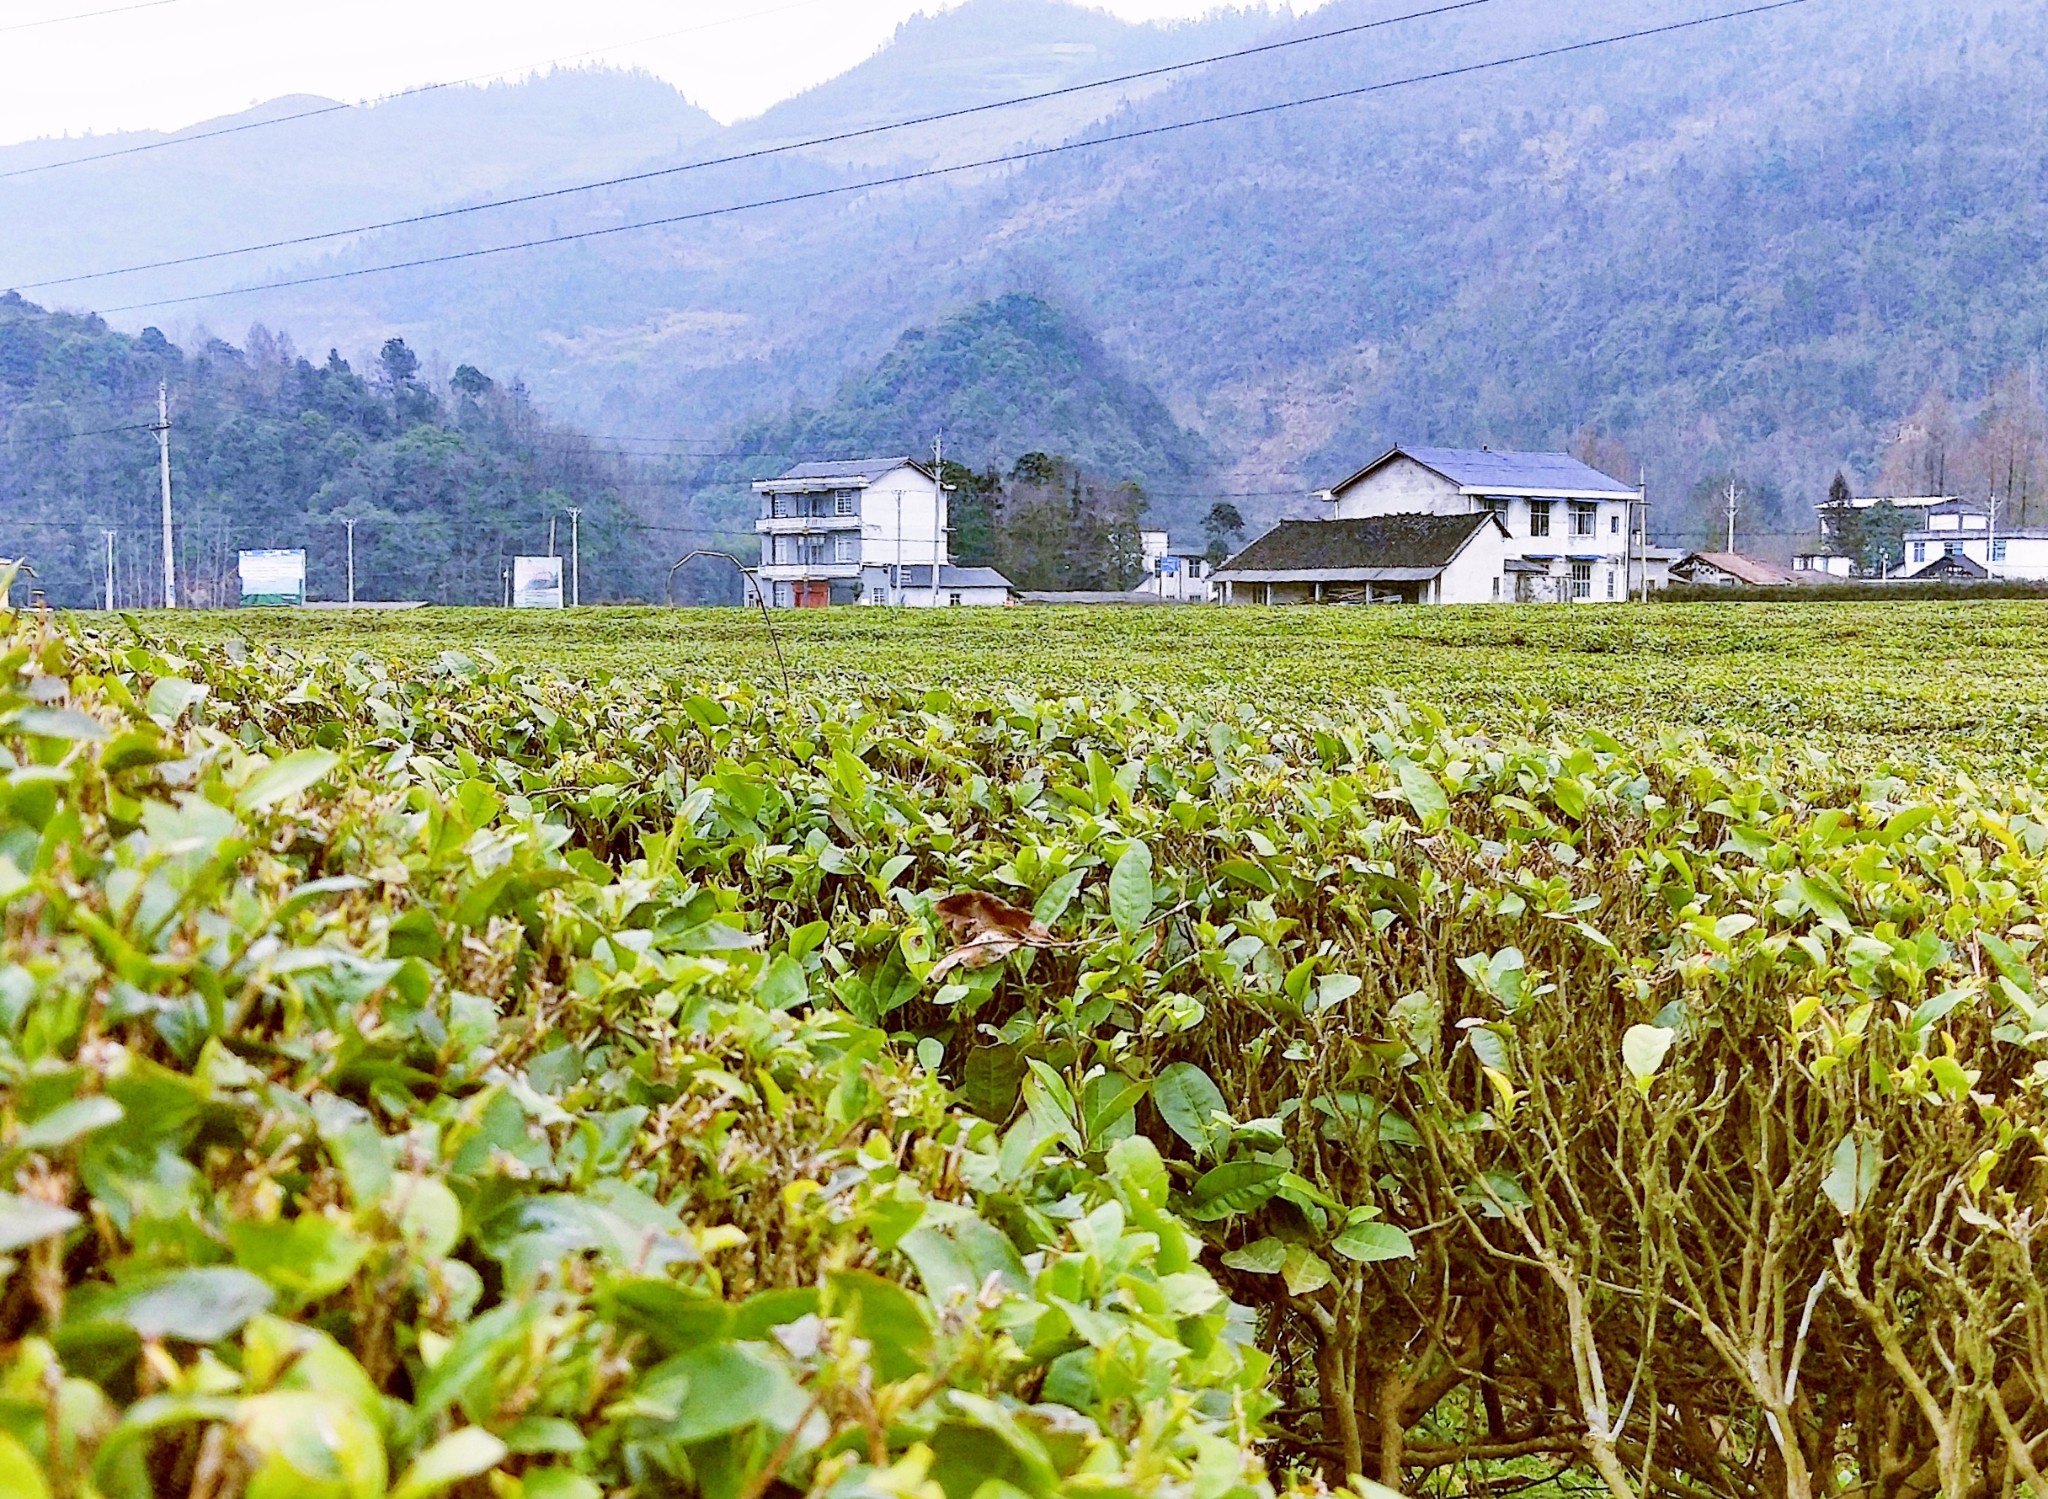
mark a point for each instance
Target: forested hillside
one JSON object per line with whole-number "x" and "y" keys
{"x": 1752, "y": 249}
{"x": 997, "y": 380}
{"x": 446, "y": 479}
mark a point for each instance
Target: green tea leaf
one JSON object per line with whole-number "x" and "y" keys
{"x": 285, "y": 778}
{"x": 1130, "y": 889}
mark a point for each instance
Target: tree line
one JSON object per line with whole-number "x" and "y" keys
{"x": 446, "y": 476}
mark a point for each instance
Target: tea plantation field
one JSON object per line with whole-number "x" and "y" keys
{"x": 1041, "y": 1054}
{"x": 1965, "y": 683}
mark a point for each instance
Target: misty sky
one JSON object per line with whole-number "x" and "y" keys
{"x": 170, "y": 64}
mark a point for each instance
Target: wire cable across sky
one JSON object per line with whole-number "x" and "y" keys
{"x": 90, "y": 15}
{"x": 1011, "y": 158}
{"x": 760, "y": 152}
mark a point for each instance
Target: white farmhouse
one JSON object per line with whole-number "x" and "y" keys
{"x": 1375, "y": 559}
{"x": 1568, "y": 525}
{"x": 870, "y": 531}
{"x": 1959, "y": 538}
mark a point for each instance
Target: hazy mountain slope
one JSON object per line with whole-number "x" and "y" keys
{"x": 1747, "y": 246}
{"x": 990, "y": 50}
{"x": 328, "y": 171}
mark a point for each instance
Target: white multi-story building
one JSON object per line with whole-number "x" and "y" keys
{"x": 1960, "y": 533}
{"x": 1179, "y": 577}
{"x": 1571, "y": 530}
{"x": 869, "y": 531}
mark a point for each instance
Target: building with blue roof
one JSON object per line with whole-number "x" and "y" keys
{"x": 1574, "y": 532}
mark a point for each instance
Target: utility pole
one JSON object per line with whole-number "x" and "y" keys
{"x": 1734, "y": 504}
{"x": 1642, "y": 533}
{"x": 938, "y": 512}
{"x": 109, "y": 537}
{"x": 163, "y": 447}
{"x": 575, "y": 559}
{"x": 898, "y": 599}
{"x": 350, "y": 524}
{"x": 551, "y": 536}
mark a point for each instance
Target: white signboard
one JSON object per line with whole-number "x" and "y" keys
{"x": 275, "y": 577}
{"x": 536, "y": 582}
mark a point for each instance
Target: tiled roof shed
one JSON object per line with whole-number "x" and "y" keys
{"x": 1734, "y": 565}
{"x": 1373, "y": 549}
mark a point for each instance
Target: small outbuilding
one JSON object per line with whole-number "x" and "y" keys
{"x": 956, "y": 586}
{"x": 1377, "y": 559}
{"x": 1731, "y": 568}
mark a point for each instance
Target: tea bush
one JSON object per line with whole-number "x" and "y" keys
{"x": 366, "y": 1137}
{"x": 597, "y": 1087}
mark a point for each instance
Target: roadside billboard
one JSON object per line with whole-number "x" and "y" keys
{"x": 272, "y": 579}
{"x": 536, "y": 582}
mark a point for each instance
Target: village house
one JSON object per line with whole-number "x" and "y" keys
{"x": 870, "y": 531}
{"x": 1569, "y": 525}
{"x": 1832, "y": 553}
{"x": 1376, "y": 559}
{"x": 1960, "y": 539}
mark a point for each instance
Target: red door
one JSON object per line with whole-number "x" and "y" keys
{"x": 813, "y": 595}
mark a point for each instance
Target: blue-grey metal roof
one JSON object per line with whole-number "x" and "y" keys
{"x": 1488, "y": 471}
{"x": 850, "y": 471}
{"x": 919, "y": 575}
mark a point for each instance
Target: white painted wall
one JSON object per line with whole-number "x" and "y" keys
{"x": 902, "y": 501}
{"x": 1477, "y": 575}
{"x": 1402, "y": 487}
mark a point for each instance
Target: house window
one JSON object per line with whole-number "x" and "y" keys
{"x": 1539, "y": 517}
{"x": 1998, "y": 549}
{"x": 785, "y": 550}
{"x": 953, "y": 600}
{"x": 784, "y": 598}
{"x": 1585, "y": 518}
{"x": 785, "y": 506}
{"x": 1582, "y": 580}
{"x": 846, "y": 548}
{"x": 1613, "y": 525}
{"x": 1610, "y": 582}
{"x": 843, "y": 503}
{"x": 1919, "y": 551}
{"x": 1496, "y": 590}
{"x": 1951, "y": 549}
{"x": 1497, "y": 506}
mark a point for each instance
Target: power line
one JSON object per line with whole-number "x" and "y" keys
{"x": 425, "y": 88}
{"x": 30, "y": 442}
{"x": 1008, "y": 159}
{"x": 760, "y": 152}
{"x": 90, "y": 15}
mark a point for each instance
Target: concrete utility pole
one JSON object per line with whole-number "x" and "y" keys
{"x": 938, "y": 512}
{"x": 575, "y": 558}
{"x": 108, "y": 536}
{"x": 163, "y": 448}
{"x": 898, "y": 598}
{"x": 1734, "y": 504}
{"x": 1642, "y": 532}
{"x": 551, "y": 537}
{"x": 350, "y": 525}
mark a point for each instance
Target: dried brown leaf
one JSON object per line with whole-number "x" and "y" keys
{"x": 985, "y": 930}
